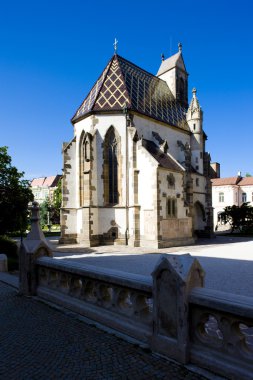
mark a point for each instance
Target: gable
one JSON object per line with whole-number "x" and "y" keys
{"x": 175, "y": 60}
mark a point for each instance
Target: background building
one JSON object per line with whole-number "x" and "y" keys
{"x": 44, "y": 187}
{"x": 230, "y": 191}
{"x": 136, "y": 171}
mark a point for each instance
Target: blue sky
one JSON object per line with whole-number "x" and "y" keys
{"x": 52, "y": 52}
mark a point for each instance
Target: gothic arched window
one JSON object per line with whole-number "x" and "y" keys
{"x": 111, "y": 167}
{"x": 84, "y": 164}
{"x": 181, "y": 89}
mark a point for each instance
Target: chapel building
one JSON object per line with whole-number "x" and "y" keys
{"x": 136, "y": 171}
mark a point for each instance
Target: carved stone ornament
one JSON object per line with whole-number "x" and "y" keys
{"x": 171, "y": 180}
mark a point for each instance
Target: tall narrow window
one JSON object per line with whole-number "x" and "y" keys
{"x": 221, "y": 197}
{"x": 84, "y": 167}
{"x": 171, "y": 207}
{"x": 86, "y": 150}
{"x": 113, "y": 170}
{"x": 244, "y": 197}
{"x": 111, "y": 167}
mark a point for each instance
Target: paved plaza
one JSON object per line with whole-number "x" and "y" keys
{"x": 39, "y": 342}
{"x": 227, "y": 260}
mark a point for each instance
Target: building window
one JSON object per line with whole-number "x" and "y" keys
{"x": 197, "y": 181}
{"x": 171, "y": 207}
{"x": 244, "y": 197}
{"x": 111, "y": 167}
{"x": 221, "y": 197}
{"x": 86, "y": 153}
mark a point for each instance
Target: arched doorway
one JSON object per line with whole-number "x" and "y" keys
{"x": 199, "y": 217}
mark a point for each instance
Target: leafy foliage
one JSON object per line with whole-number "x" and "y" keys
{"x": 57, "y": 203}
{"x": 44, "y": 210}
{"x": 50, "y": 211}
{"x": 10, "y": 248}
{"x": 15, "y": 194}
{"x": 239, "y": 217}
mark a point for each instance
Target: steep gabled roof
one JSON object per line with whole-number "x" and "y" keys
{"x": 164, "y": 160}
{"x": 225, "y": 181}
{"x": 175, "y": 60}
{"x": 123, "y": 84}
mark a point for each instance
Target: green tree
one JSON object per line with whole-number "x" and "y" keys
{"x": 248, "y": 175}
{"x": 50, "y": 210}
{"x": 45, "y": 208}
{"x": 15, "y": 194}
{"x": 57, "y": 201}
{"x": 239, "y": 217}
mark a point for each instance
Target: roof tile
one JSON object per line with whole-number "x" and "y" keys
{"x": 225, "y": 181}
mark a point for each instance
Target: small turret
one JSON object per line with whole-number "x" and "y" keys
{"x": 194, "y": 118}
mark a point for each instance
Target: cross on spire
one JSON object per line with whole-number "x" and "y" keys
{"x": 115, "y": 45}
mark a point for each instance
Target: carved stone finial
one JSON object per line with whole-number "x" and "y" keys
{"x": 194, "y": 91}
{"x": 162, "y": 57}
{"x": 36, "y": 231}
{"x": 180, "y": 47}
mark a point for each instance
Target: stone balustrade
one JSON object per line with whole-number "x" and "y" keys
{"x": 222, "y": 332}
{"x": 171, "y": 311}
{"x": 119, "y": 300}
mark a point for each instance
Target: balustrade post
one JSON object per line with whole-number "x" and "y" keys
{"x": 173, "y": 279}
{"x": 31, "y": 248}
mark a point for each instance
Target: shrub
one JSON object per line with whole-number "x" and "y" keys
{"x": 10, "y": 248}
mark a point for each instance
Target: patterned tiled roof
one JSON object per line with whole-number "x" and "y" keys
{"x": 163, "y": 159}
{"x": 123, "y": 84}
{"x": 225, "y": 181}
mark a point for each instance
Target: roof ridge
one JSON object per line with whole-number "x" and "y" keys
{"x": 139, "y": 68}
{"x": 103, "y": 81}
{"x": 106, "y": 69}
{"x": 128, "y": 95}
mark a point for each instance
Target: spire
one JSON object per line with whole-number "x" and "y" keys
{"x": 180, "y": 46}
{"x": 194, "y": 107}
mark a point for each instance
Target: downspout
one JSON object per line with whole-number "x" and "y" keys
{"x": 125, "y": 110}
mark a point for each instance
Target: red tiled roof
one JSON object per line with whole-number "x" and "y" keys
{"x": 225, "y": 181}
{"x": 51, "y": 181}
{"x": 37, "y": 182}
{"x": 246, "y": 181}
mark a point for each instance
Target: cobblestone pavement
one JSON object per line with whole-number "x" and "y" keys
{"x": 40, "y": 342}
